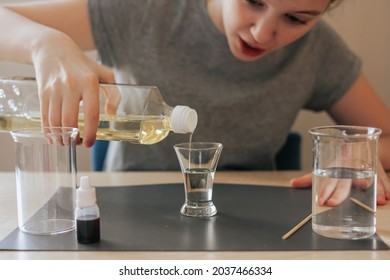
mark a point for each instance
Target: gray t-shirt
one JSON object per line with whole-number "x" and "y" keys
{"x": 248, "y": 106}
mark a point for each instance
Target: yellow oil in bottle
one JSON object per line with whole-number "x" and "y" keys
{"x": 134, "y": 129}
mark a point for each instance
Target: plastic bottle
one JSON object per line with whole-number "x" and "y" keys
{"x": 87, "y": 213}
{"x": 137, "y": 114}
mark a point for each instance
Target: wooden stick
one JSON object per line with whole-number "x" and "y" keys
{"x": 361, "y": 204}
{"x": 308, "y": 218}
{"x": 298, "y": 226}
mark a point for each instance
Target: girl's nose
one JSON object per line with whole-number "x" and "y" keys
{"x": 264, "y": 30}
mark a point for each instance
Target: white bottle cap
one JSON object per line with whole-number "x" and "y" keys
{"x": 183, "y": 119}
{"x": 86, "y": 195}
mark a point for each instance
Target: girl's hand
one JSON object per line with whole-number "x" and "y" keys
{"x": 383, "y": 191}
{"x": 65, "y": 76}
{"x": 334, "y": 194}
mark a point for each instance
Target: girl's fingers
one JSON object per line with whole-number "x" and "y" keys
{"x": 91, "y": 113}
{"x": 304, "y": 181}
{"x": 383, "y": 190}
{"x": 340, "y": 192}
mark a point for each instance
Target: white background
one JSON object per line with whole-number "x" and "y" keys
{"x": 110, "y": 269}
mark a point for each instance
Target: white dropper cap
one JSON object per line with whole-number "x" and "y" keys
{"x": 86, "y": 195}
{"x": 183, "y": 119}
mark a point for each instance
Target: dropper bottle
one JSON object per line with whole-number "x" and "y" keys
{"x": 87, "y": 213}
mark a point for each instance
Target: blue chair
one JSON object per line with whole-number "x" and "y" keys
{"x": 288, "y": 158}
{"x": 98, "y": 155}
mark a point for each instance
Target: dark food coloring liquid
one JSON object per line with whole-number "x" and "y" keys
{"x": 88, "y": 229}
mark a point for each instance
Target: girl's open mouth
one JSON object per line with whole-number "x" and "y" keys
{"x": 250, "y": 51}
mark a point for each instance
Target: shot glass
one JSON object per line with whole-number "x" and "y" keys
{"x": 46, "y": 179}
{"x": 344, "y": 181}
{"x": 198, "y": 162}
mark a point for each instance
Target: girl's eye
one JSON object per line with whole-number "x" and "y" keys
{"x": 295, "y": 20}
{"x": 256, "y": 2}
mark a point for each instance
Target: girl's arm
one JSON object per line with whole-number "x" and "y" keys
{"x": 52, "y": 35}
{"x": 362, "y": 106}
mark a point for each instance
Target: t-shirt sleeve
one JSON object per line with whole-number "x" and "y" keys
{"x": 337, "y": 71}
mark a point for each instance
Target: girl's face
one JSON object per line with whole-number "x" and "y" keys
{"x": 254, "y": 28}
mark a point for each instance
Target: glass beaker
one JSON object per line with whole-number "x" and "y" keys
{"x": 45, "y": 165}
{"x": 344, "y": 181}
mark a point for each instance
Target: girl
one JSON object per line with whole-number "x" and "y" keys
{"x": 246, "y": 66}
